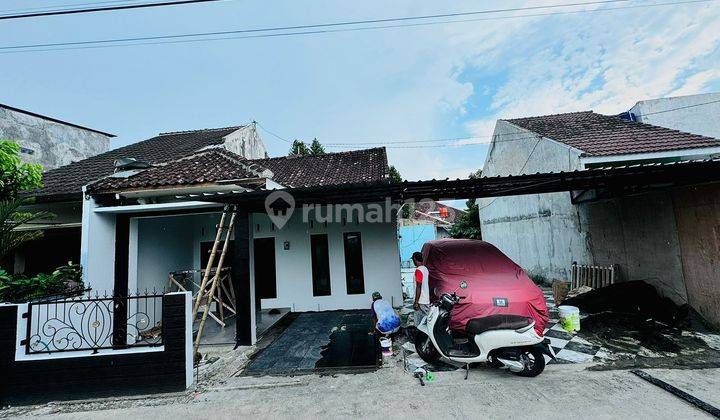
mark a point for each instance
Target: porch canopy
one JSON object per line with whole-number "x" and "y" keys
{"x": 606, "y": 182}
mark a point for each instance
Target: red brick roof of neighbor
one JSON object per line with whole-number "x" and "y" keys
{"x": 604, "y": 135}
{"x": 70, "y": 179}
{"x": 216, "y": 164}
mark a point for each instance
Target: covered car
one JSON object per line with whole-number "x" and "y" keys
{"x": 495, "y": 284}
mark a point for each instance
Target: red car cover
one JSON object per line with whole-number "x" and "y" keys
{"x": 495, "y": 284}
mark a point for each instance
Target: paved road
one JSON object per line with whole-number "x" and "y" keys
{"x": 563, "y": 391}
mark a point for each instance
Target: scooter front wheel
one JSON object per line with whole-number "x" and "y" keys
{"x": 534, "y": 362}
{"x": 425, "y": 348}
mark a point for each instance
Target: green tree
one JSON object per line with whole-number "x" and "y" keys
{"x": 316, "y": 148}
{"x": 467, "y": 225}
{"x": 299, "y": 148}
{"x": 16, "y": 177}
{"x": 394, "y": 174}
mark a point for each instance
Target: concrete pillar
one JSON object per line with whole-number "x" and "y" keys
{"x": 244, "y": 290}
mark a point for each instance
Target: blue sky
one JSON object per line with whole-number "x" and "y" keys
{"x": 441, "y": 81}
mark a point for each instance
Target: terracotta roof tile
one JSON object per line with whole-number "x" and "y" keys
{"x": 210, "y": 165}
{"x": 70, "y": 179}
{"x": 218, "y": 164}
{"x": 329, "y": 169}
{"x": 603, "y": 135}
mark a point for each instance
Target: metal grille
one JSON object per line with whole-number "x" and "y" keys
{"x": 94, "y": 324}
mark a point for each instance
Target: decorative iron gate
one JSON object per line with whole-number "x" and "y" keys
{"x": 92, "y": 324}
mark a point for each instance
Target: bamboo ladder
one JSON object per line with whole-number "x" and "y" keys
{"x": 208, "y": 286}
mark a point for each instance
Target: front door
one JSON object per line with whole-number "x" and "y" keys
{"x": 264, "y": 262}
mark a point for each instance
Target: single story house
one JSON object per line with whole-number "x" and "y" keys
{"x": 663, "y": 237}
{"x": 62, "y": 193}
{"x": 145, "y": 221}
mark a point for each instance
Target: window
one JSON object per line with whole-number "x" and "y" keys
{"x": 320, "y": 265}
{"x": 354, "y": 277}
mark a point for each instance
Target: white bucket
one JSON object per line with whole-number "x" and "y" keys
{"x": 386, "y": 346}
{"x": 569, "y": 318}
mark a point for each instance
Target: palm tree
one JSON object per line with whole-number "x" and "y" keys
{"x": 10, "y": 219}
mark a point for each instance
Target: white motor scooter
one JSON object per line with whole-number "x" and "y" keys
{"x": 505, "y": 341}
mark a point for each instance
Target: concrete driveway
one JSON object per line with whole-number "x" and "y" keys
{"x": 562, "y": 391}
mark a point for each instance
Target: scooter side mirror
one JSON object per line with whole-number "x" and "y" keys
{"x": 463, "y": 285}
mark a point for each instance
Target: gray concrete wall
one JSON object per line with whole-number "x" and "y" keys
{"x": 49, "y": 143}
{"x": 690, "y": 117}
{"x": 639, "y": 234}
{"x": 246, "y": 142}
{"x": 541, "y": 232}
{"x": 545, "y": 233}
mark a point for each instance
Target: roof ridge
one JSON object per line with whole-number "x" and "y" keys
{"x": 344, "y": 152}
{"x": 235, "y": 158}
{"x": 554, "y": 115}
{"x": 167, "y": 133}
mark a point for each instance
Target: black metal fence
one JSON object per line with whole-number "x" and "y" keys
{"x": 94, "y": 323}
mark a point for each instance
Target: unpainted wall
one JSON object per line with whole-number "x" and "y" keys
{"x": 541, "y": 232}
{"x": 49, "y": 143}
{"x": 638, "y": 234}
{"x": 698, "y": 220}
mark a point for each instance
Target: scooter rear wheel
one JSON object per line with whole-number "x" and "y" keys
{"x": 534, "y": 362}
{"x": 425, "y": 348}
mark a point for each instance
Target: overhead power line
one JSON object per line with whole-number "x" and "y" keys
{"x": 272, "y": 134}
{"x": 321, "y": 28}
{"x": 64, "y": 6}
{"x": 56, "y": 12}
{"x": 452, "y": 142}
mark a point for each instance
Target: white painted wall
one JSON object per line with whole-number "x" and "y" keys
{"x": 159, "y": 245}
{"x": 381, "y": 264}
{"x": 97, "y": 248}
{"x": 683, "y": 113}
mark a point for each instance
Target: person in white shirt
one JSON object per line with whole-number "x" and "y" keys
{"x": 422, "y": 288}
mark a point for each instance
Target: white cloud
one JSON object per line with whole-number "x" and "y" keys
{"x": 605, "y": 61}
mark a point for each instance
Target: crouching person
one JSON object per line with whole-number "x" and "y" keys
{"x": 385, "y": 320}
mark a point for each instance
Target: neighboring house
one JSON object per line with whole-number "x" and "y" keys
{"x": 141, "y": 224}
{"x": 656, "y": 237}
{"x": 697, "y": 114}
{"x": 429, "y": 220}
{"x": 62, "y": 192}
{"x": 49, "y": 141}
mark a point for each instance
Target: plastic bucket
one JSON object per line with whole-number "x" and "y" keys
{"x": 386, "y": 346}
{"x": 569, "y": 318}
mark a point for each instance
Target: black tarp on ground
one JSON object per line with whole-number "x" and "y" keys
{"x": 317, "y": 341}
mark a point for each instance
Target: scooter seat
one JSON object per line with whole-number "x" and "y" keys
{"x": 496, "y": 322}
